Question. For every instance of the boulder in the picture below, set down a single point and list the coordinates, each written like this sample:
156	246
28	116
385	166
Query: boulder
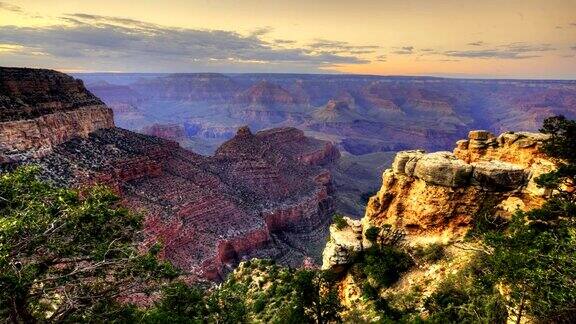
479	135
443	169
477	144
462	144
498	175
538	168
507	138
343	246
402	158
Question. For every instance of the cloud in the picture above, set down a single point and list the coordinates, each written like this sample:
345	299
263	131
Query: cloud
339	47
406	50
509	51
478	43
381	58
284	41
10	7
113	43
261	31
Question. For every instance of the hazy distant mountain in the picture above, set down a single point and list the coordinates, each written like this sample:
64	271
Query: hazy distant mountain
360	114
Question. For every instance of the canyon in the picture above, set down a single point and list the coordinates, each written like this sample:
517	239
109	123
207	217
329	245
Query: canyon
266	194
368	118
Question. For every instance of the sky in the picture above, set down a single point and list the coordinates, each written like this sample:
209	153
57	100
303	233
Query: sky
533	39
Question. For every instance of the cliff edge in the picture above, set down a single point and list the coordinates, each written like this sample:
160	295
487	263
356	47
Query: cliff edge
42	108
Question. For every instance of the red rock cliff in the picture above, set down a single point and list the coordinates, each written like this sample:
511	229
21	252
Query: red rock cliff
262	194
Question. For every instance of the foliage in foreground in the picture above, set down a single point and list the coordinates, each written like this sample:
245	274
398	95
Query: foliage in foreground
64	255
258	291
529	264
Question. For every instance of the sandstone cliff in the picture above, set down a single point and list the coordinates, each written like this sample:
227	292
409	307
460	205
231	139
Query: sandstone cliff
438	194
40	109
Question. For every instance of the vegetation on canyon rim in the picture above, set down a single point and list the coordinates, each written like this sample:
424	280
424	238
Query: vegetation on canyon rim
67	255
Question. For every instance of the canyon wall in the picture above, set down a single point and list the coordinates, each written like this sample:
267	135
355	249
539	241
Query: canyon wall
40	109
369	118
265	194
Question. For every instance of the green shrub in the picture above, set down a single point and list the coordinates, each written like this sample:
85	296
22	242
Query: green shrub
339	221
385	264
372	233
430	253
464	298
259	305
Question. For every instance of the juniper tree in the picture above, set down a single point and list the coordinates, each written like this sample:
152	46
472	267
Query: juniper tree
66	255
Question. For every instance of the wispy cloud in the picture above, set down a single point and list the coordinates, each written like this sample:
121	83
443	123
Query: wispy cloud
284	41
381	58
10	7
130	43
339	47
509	51
478	43
261	31
405	50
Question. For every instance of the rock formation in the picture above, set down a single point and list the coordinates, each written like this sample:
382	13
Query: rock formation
40	109
172	132
434	197
262	194
344	244
266	94
336	111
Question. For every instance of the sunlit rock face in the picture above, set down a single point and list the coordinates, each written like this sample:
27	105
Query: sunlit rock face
435	197
343	245
263	194
438	194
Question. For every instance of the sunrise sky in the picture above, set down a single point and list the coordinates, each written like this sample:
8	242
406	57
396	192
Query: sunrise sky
488	38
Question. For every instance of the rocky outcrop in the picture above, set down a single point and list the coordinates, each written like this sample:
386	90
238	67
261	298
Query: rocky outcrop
431	201
172	132
203	87
438	194
434	197
266	94
517	148
443	169
40	109
343	245
251	199
336	111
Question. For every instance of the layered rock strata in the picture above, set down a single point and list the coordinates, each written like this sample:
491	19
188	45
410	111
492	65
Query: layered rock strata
40	109
263	195
208	212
